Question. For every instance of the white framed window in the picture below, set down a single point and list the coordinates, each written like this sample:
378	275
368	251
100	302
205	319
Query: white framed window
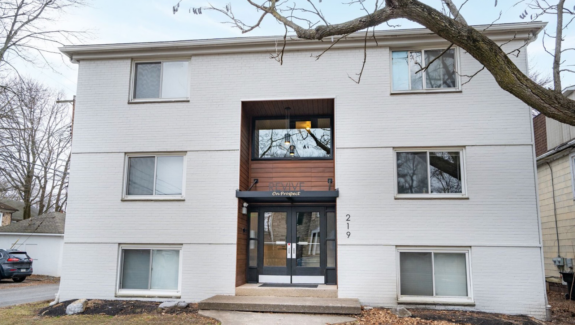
434	275
430	173
441	75
165	80
149	271
154	176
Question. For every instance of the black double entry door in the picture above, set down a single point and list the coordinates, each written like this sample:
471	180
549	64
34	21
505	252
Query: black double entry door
292	245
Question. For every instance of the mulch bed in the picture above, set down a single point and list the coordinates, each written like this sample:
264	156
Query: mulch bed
562	310
117	308
474	318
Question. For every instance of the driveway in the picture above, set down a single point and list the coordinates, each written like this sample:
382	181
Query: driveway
23	295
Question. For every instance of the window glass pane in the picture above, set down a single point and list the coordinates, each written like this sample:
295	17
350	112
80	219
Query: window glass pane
416	274
400	70
147	83
169	175
308	239
445	170
141	175
165	269
253	253
275	232
254	225
415	65
136	269
412	172
175	80
330	253
450	274
330	225
441	73
311	138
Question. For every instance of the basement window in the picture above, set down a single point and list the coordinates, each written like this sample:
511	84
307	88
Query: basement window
149	271
162	80
439	275
430	173
440	75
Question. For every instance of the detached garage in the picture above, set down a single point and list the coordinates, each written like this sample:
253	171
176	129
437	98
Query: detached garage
42	237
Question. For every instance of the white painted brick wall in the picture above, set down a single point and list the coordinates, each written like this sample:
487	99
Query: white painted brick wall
493	126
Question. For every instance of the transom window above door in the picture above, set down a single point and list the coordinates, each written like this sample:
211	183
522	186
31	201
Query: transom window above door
296	138
408	74
161	80
430	173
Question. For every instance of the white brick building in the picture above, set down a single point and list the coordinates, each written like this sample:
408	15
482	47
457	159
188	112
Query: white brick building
195	108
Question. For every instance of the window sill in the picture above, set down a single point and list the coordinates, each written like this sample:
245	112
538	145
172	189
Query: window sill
159	100
431	197
153	198
148	294
436	301
438	91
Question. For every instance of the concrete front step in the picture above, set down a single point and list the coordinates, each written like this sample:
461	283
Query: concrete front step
305	305
255	289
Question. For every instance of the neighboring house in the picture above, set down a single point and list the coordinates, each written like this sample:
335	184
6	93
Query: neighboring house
19	206
6	212
407	189
42	237
555	149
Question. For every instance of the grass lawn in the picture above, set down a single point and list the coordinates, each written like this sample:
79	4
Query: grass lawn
27	314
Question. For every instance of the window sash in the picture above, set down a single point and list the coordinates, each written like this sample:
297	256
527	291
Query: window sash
134	81
423	73
429	193
155	292
461	251
153	195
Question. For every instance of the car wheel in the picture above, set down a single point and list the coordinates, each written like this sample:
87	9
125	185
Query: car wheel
19	279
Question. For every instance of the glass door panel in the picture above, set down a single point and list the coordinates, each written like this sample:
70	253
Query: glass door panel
275	239
308	242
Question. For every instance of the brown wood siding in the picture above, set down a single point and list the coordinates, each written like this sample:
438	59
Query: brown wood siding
242	237
313	174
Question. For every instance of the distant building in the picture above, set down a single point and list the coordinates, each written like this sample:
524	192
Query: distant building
42	237
555	150
19	206
6	212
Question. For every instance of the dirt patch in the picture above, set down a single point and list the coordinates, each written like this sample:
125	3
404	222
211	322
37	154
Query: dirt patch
562	310
473	318
32	280
117	308
382	316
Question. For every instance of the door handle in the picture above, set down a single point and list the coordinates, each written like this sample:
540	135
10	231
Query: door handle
288	251
293	252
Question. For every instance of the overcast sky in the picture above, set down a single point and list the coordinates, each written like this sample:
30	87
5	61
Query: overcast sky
125	21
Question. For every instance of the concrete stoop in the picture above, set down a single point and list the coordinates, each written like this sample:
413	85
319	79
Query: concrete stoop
305	305
255	289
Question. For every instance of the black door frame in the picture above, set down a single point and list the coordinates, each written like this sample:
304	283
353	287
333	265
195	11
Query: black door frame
291	269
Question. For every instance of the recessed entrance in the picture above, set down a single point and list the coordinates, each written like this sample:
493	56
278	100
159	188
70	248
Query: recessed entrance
292	245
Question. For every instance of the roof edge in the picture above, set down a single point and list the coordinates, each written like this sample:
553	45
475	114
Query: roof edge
397	37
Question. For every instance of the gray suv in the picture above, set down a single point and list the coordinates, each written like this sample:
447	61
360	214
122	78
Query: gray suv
15	265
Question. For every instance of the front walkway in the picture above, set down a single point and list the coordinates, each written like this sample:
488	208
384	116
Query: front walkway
242	318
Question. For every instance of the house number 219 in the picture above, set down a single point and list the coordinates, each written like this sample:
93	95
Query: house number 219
348	219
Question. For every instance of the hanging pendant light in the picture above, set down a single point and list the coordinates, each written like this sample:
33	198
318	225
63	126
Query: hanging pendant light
287	138
292	150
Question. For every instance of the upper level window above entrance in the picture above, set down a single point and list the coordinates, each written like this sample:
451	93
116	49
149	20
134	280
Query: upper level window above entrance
409	76
161	80
300	138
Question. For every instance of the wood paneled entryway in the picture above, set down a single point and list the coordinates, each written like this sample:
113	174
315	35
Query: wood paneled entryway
264	156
